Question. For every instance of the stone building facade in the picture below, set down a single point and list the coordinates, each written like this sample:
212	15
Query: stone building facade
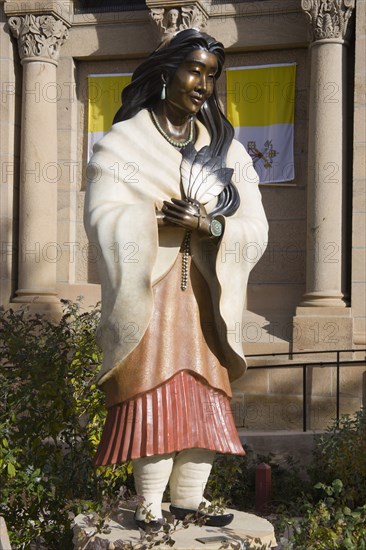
308	293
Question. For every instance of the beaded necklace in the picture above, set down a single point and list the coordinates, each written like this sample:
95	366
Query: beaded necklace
185	255
179	144
187	238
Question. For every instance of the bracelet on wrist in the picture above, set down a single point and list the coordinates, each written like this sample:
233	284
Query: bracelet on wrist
215	228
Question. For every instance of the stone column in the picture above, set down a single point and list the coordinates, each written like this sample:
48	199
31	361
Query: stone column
39	41
326	151
322	319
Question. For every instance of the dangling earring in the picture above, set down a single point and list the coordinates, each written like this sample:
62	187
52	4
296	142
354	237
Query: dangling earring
163	92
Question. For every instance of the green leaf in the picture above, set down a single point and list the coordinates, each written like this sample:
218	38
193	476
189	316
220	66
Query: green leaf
337	485
11	469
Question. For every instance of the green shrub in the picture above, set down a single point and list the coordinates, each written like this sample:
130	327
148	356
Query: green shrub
51	416
334	515
330	523
233	479
341	454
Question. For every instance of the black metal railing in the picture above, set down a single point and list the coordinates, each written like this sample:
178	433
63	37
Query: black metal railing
96	6
337	362
218	2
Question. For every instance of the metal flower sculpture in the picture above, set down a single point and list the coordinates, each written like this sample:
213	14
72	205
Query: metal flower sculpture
203	176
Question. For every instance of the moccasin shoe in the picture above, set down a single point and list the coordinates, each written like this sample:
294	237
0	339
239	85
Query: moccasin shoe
212	520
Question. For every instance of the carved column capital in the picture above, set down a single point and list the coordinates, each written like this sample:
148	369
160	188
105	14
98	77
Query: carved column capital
40	37
170	18
329	18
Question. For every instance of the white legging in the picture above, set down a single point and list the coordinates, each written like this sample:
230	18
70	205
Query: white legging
186	471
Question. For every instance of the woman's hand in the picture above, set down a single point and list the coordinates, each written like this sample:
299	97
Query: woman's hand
189	214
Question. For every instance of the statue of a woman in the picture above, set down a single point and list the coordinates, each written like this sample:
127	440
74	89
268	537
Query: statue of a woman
173	203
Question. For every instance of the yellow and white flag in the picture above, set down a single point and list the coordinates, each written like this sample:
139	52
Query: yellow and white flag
260	106
104	100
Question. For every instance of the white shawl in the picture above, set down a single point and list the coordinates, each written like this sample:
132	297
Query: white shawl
133	169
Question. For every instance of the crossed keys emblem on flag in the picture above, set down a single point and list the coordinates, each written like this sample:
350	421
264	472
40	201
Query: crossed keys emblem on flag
267	155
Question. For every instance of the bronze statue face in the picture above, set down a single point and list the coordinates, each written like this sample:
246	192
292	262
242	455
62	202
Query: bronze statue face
192	83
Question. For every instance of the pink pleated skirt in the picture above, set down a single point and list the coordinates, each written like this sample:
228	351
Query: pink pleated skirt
189	407
183	413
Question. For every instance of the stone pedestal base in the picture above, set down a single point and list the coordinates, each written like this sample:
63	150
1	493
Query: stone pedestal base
323	328
4	537
246	529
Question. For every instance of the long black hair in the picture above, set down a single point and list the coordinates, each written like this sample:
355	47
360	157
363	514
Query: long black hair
145	89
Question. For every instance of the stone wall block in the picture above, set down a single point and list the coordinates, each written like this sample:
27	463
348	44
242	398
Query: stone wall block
285	381
359	293
322	332
273	412
273	298
359	269
321	381
352	382
359	226
359	166
284	266
252	382
278	199
237	408
360	330
359	130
